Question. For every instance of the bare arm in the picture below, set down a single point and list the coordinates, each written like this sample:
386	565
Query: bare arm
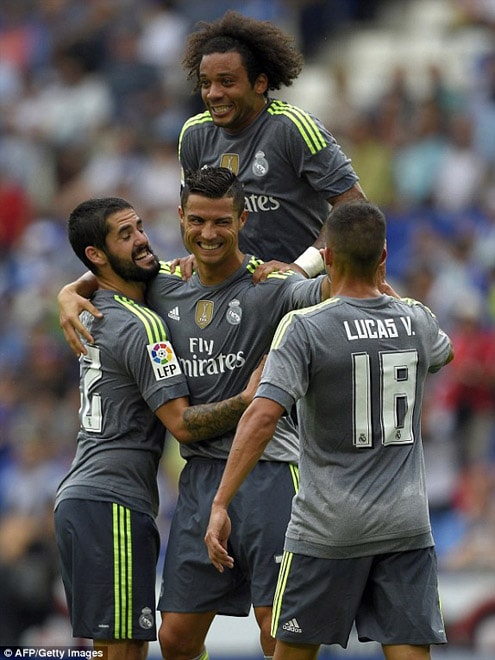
254	431
355	193
72	300
308	265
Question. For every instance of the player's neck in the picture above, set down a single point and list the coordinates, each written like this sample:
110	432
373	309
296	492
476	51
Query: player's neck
354	288
211	274
134	290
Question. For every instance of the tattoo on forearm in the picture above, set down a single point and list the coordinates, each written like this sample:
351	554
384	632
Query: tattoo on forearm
208	420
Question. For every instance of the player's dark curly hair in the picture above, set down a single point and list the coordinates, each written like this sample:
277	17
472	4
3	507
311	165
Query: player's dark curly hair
263	46
214	183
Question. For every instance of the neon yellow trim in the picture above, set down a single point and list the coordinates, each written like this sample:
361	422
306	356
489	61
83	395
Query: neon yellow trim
116	570
201	118
165	268
279	591
122	561
155	328
305	124
253	264
294	472
122	575
128	536
287	319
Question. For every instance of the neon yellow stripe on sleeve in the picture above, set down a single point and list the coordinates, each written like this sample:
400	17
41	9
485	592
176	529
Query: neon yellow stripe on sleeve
307	127
154	325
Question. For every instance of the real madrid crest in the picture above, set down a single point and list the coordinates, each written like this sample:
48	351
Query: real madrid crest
204	313
234	312
260	165
146	620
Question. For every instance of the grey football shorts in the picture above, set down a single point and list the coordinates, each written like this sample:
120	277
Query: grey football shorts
392	598
108	556
259	513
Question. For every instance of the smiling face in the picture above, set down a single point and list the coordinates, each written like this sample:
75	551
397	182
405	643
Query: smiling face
211	232
233	102
128	251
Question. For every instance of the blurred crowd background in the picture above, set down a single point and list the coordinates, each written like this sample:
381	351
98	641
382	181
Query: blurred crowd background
92	97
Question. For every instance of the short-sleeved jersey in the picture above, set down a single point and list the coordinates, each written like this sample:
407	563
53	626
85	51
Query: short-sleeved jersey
220	334
129	372
357	368
290	166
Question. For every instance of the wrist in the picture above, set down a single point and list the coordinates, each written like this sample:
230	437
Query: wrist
311	262
217	504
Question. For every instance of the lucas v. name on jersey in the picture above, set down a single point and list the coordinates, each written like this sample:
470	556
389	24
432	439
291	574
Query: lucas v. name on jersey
377	328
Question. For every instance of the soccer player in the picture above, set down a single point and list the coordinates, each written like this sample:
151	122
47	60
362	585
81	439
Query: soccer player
359	547
132	387
221	324
290	164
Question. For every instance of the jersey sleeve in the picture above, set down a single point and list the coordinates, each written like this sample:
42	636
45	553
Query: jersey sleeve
440	344
188	152
149	357
306	292
162	284
286	374
441	349
314	151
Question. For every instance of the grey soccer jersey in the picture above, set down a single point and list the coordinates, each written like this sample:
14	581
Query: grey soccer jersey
289	164
357	369
220	334
130	371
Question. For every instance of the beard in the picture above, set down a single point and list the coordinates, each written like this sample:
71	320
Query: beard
132	272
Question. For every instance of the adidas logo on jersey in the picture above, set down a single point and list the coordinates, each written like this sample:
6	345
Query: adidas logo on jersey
292	626
174	314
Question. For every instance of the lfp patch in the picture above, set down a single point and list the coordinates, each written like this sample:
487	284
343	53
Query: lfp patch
164	360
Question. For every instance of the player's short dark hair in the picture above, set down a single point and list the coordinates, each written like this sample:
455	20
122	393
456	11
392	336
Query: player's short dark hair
263	47
357	231
214	183
88	225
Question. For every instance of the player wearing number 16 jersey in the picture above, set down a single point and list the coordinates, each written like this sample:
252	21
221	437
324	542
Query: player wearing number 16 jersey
359	547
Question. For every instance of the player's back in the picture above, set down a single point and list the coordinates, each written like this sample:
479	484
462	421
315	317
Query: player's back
360	424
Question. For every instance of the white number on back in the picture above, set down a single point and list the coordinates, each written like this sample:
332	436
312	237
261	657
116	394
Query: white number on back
91	419
397	395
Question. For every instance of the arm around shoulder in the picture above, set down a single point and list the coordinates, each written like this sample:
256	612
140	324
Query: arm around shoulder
72	300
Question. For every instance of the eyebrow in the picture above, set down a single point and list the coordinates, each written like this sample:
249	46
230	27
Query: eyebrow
129	225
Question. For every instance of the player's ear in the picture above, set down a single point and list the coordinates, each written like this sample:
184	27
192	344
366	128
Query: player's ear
328	256
242	218
95	255
384	254
261	84
180	212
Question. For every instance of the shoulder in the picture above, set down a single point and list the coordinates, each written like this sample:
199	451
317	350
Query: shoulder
200	120
135	316
301	122
165	270
416	307
276	277
164	283
126	324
